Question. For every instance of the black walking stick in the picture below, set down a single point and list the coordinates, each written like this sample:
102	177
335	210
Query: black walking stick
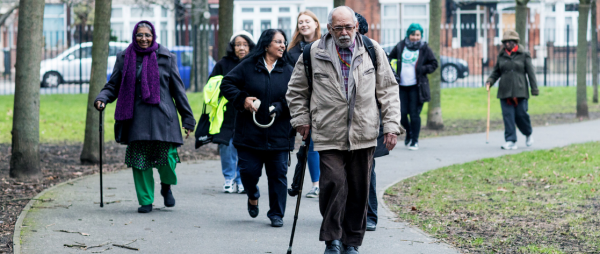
101	152
297	183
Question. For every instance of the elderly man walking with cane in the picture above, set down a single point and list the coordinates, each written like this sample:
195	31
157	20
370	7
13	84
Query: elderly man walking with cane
340	110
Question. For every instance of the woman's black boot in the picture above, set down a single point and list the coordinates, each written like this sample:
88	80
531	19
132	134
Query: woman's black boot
145	209
165	191
253	209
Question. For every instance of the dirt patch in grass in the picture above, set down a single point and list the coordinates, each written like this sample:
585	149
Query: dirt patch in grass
533	202
60	162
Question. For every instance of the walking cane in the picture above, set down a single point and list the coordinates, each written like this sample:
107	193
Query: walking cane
101	152
306	147
487	131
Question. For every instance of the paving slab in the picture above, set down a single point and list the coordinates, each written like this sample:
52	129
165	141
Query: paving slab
205	220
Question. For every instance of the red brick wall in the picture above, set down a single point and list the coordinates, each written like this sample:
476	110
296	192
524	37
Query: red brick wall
370	9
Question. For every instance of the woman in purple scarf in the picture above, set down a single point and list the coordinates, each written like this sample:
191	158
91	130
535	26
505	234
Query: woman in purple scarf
146	81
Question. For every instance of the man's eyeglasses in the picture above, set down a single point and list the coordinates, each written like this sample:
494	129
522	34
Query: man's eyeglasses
339	29
284	43
141	35
241	46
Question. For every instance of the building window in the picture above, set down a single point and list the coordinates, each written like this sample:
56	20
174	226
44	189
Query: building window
54	25
116	31
247	10
415	13
142	12
284	9
248	26
571	7
164	12
264	25
265	9
549	33
390	34
116	13
321	13
285	24
164	33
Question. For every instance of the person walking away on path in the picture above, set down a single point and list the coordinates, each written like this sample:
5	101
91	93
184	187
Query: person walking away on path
380	150
308	30
264	76
240	44
414	60
146	81
514	62
343	119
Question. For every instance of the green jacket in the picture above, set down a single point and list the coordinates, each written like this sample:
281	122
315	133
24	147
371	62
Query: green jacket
511	71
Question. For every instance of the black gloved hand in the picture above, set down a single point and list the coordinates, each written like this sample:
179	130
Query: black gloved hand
278	109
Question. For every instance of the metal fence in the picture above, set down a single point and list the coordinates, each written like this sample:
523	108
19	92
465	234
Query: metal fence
468	55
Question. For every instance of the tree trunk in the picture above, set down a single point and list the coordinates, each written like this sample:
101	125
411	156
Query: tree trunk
225	25
582	46
521	20
25	161
434	113
337	3
201	22
594	51
91	152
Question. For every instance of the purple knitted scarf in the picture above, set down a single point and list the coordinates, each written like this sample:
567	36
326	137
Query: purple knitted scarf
150	85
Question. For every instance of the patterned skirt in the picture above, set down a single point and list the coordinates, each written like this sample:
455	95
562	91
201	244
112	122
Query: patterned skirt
149	154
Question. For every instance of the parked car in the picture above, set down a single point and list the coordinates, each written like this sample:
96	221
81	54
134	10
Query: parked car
452	68
65	68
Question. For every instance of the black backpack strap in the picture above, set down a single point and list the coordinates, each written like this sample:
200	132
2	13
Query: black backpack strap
307	64
370	50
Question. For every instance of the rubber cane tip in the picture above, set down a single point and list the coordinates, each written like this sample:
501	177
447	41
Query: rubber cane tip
101	205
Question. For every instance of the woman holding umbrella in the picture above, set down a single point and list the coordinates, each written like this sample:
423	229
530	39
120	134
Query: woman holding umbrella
146	81
264	76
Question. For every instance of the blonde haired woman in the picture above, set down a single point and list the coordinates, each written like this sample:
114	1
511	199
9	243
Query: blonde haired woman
308	29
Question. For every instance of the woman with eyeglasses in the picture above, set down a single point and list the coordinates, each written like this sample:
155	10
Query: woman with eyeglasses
150	92
240	44
263	130
308	29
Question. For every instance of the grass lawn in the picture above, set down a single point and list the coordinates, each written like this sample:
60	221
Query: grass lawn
543	201
471	103
62	116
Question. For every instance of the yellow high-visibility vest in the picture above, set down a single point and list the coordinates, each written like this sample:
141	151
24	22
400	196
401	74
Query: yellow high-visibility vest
215	104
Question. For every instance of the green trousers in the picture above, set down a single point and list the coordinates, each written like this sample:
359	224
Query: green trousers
144	179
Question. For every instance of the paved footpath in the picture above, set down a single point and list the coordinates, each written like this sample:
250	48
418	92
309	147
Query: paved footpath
206	220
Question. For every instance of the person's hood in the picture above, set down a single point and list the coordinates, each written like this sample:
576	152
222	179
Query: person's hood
231	47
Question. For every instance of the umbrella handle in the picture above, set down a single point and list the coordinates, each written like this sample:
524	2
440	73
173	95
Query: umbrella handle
262	125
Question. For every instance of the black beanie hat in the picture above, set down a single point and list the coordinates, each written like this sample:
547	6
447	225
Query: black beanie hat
363	26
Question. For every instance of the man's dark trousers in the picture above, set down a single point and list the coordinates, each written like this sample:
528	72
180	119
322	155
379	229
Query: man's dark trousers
372	207
344	183
515	115
251	163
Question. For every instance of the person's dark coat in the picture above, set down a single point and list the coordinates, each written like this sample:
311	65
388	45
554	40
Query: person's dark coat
296	51
223	67
511	71
426	64
252	79
154	122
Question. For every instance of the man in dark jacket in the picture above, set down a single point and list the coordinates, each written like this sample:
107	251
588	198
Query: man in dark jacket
514	62
239	46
